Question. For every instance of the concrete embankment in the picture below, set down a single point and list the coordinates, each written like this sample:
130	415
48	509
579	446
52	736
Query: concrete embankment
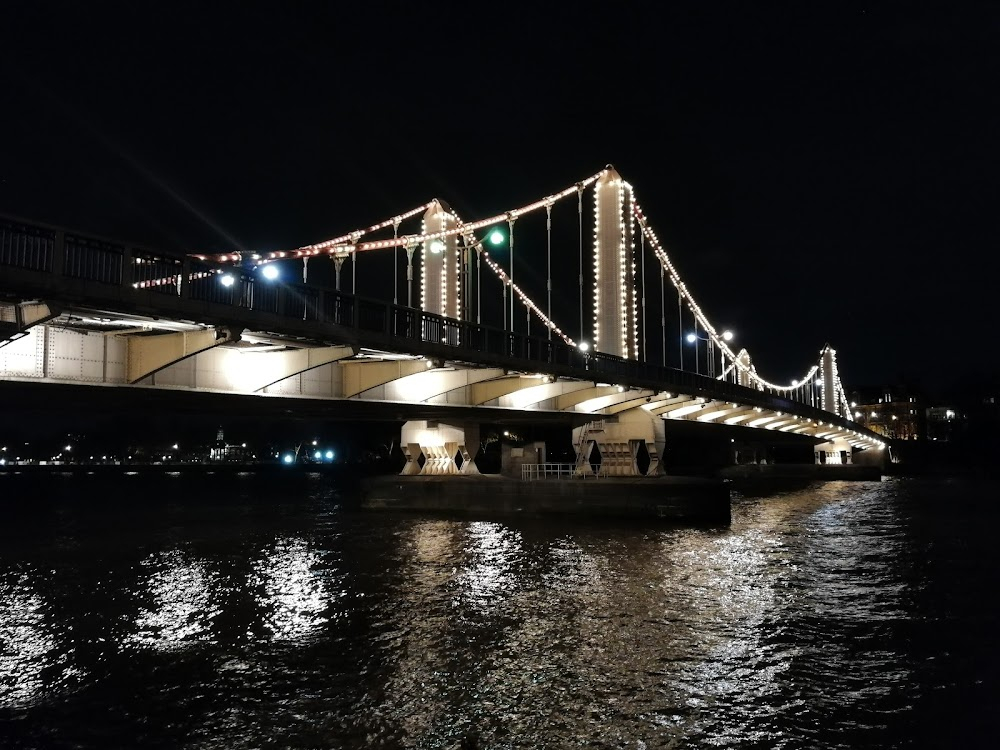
663	499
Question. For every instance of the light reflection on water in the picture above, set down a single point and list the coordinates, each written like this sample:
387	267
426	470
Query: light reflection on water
25	643
816	619
180	603
292	595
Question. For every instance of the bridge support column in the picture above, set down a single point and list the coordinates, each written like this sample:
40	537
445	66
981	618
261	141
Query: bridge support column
440	444
620	440
440	283
615	302
834	452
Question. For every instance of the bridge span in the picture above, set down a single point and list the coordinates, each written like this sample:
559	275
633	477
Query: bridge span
77	309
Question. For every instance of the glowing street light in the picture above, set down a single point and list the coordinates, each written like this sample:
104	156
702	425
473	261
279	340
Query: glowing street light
329	455
694	338
437	247
270	272
227	280
496	238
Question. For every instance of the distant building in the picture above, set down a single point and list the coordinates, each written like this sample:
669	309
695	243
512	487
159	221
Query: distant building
945	423
897	411
222	452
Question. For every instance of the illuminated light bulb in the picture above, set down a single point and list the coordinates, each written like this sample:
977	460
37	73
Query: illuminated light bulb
227	280
270	272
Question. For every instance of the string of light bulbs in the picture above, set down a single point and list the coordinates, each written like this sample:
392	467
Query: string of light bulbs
675	278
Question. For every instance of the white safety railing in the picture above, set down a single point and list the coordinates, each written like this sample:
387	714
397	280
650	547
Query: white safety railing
534	472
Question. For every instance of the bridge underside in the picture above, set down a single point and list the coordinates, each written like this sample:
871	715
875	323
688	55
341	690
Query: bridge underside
128	364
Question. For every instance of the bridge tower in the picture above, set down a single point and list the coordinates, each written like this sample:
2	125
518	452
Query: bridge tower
440	291
829	378
616	327
743	373
833	451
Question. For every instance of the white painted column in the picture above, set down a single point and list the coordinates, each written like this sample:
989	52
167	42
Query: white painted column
615	299
439	285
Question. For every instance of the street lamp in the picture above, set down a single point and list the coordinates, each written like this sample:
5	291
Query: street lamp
496	238
694	338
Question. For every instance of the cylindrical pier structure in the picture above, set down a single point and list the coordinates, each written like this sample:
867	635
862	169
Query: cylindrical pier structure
616	325
440	287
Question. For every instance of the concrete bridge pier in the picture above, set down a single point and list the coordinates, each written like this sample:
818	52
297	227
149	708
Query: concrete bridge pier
620	439
440	444
834	452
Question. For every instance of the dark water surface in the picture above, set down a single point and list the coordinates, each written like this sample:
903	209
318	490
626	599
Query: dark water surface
242	612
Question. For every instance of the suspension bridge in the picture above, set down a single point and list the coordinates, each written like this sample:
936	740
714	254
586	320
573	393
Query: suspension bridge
76	308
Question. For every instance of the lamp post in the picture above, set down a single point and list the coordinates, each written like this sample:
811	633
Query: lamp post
510	245
694	338
496	238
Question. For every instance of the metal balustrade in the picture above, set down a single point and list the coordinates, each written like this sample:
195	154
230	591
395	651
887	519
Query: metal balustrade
152	272
534	472
92	260
25	246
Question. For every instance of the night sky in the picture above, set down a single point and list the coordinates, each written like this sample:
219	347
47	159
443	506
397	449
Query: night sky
818	172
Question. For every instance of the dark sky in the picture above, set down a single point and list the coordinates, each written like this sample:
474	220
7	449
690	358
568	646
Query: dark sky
819	172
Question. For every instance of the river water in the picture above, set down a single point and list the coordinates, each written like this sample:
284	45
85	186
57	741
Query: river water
243	612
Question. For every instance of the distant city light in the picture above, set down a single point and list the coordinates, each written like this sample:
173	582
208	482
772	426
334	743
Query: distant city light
317	455
288	458
329	455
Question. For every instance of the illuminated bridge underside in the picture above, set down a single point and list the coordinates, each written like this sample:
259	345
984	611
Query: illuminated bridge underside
170	355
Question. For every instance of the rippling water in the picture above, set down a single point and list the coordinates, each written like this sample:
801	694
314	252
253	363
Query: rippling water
236	612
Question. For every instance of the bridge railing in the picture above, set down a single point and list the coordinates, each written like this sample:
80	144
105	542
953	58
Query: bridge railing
93	260
26	246
154	272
